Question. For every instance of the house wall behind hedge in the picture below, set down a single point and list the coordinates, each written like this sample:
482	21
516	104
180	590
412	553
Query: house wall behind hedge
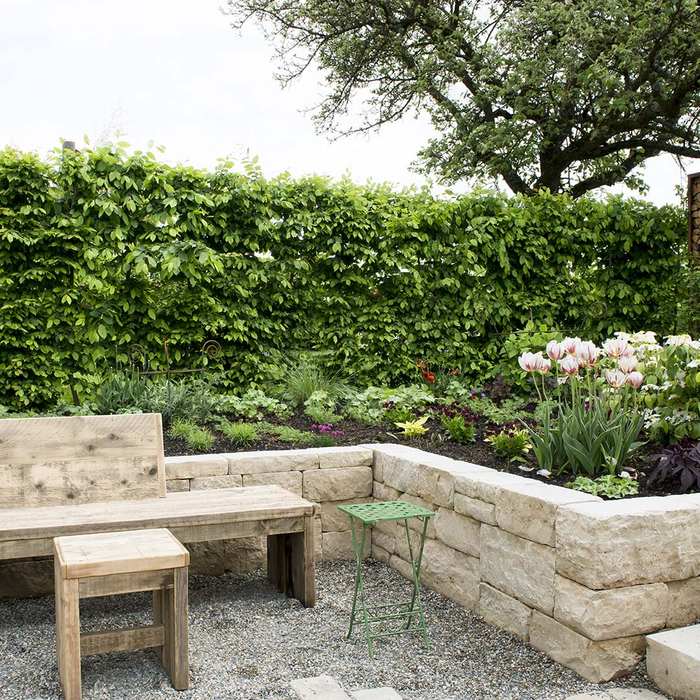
100	250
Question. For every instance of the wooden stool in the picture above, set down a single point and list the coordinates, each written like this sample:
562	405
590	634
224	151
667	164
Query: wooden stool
112	563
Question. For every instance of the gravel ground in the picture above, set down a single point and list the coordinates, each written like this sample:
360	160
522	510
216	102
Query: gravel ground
248	641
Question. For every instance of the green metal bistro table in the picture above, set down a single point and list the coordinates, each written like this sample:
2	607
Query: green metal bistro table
393	618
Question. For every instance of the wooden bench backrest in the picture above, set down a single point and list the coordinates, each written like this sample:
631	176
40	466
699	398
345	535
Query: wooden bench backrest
80	459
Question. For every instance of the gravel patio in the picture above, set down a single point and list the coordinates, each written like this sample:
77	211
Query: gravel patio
248	641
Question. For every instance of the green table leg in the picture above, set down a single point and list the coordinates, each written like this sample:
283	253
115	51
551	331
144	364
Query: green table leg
359	587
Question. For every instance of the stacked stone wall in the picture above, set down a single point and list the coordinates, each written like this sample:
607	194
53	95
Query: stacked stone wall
581	579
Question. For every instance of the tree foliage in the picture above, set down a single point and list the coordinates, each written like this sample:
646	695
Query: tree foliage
100	250
568	95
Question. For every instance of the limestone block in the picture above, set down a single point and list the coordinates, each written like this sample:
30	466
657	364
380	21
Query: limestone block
683	602
391	529
401	566
272	461
380	554
216	482
245	554
458	532
530	510
634	694
336	457
177	485
451	573
334	520
338	484
26	579
613	613
381	539
622	543
292	481
505	612
385	493
521	568
673	662
474	508
419	473
338	545
207	558
376	694
188	467
486	484
319	688
415	524
595	661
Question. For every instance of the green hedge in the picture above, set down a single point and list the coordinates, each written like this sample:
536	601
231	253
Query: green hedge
101	250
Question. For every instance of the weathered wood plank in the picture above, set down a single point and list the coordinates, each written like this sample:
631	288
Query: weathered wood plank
122	640
68	635
177	510
107	554
80	459
125	583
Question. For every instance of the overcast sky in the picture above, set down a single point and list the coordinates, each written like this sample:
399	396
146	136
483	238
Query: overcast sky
174	71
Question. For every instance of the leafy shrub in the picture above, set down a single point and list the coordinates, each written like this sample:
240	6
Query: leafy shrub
198	439
368	406
305	376
510	442
239	433
119	391
458	428
185	400
396	414
608	486
672	391
319	407
508	411
413	428
288	434
254	403
498	389
678	463
323	441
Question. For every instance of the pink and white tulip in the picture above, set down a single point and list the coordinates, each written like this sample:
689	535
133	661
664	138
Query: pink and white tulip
569	365
587	353
627	364
570	345
615	378
635	379
555	350
616	348
531	361
546	365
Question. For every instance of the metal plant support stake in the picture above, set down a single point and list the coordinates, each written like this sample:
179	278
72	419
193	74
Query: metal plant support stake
211	349
393	618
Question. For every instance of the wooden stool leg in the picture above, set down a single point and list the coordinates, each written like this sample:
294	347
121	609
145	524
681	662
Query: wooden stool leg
277	570
174	611
68	634
158	603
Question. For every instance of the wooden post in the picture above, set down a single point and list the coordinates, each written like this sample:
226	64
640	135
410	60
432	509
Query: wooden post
68	633
694	214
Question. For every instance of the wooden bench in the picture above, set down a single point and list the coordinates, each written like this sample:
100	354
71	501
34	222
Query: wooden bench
89	474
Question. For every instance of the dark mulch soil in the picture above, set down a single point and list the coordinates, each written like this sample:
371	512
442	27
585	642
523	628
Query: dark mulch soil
436	441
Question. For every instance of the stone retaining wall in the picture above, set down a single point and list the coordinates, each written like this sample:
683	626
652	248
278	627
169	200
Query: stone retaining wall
330	476
581	579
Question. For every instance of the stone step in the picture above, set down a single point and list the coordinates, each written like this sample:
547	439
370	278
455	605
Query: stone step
327	688
319	688
673	662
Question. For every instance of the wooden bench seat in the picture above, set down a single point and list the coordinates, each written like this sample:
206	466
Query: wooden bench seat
92	474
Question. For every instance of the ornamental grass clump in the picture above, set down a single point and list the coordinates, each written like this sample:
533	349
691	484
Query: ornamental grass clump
594	428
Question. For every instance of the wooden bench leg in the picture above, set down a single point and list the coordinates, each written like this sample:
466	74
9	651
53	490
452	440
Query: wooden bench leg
171	610
68	634
291	563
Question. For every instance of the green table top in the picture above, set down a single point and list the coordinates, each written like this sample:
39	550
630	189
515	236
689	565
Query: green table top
385	511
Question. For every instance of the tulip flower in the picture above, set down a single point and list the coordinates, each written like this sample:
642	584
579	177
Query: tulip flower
617	347
587	353
615	378
570	345
545	365
635	379
555	351
569	365
531	361
627	364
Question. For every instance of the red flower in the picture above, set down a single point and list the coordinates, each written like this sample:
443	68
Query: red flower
429	376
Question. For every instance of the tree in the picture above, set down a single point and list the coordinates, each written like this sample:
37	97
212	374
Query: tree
568	95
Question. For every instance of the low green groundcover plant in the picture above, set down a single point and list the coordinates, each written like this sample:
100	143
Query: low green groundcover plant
511	442
608	486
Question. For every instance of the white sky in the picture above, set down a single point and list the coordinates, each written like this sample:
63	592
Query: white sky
174	71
